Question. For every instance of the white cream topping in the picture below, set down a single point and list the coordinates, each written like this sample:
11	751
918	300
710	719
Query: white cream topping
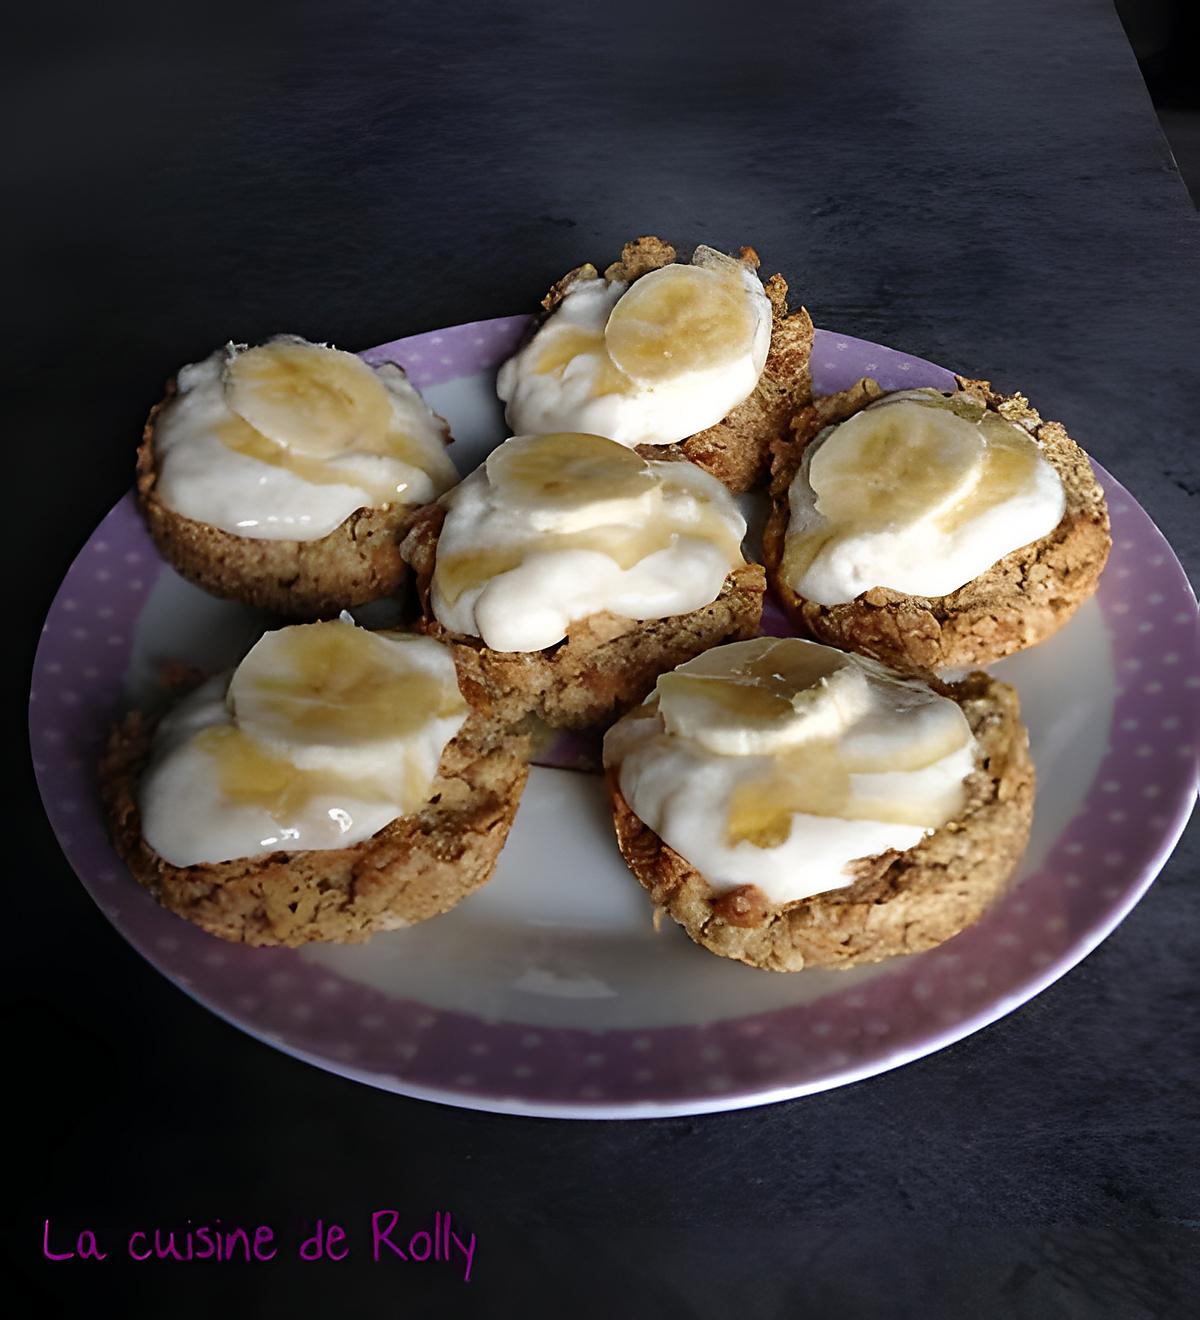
651	362
778	762
324	734
558	527
288	449
921	493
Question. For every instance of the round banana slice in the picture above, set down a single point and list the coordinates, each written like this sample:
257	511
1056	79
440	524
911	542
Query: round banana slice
925	798
573	481
680	319
895	465
320	402
337	697
763	696
906	734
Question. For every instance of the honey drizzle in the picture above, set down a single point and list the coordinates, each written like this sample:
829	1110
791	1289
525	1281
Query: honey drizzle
242	438
815	781
1009	461
812	783
250	775
563	344
462	572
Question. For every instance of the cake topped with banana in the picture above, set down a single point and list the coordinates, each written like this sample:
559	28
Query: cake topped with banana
565	553
699	355
553	528
790	804
323	734
334	783
932	529
282	474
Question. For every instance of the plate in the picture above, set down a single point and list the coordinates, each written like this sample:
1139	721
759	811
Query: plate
549	992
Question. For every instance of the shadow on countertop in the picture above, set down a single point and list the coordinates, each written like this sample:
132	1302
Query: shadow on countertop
1163	34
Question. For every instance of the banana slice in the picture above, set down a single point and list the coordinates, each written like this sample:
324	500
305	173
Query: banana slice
332	696
567	482
905	737
896	465
763	696
922	798
1010	453
317	401
680	319
565	344
560	345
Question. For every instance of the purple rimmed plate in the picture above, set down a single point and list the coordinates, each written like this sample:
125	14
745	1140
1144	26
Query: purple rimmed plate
549	992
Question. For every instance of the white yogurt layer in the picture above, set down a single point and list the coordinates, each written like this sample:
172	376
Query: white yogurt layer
647	363
777	763
290	449
324	734
555	528
920	493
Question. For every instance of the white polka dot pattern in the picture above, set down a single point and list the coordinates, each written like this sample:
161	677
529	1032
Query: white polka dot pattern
1093	874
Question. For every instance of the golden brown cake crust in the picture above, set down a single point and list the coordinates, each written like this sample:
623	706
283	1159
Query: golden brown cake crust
737	450
900	902
1022	599
414	868
606	664
359	561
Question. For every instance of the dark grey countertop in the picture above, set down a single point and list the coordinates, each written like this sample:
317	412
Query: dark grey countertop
981	184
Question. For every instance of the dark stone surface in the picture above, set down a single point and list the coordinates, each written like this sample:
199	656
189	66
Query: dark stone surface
982	184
